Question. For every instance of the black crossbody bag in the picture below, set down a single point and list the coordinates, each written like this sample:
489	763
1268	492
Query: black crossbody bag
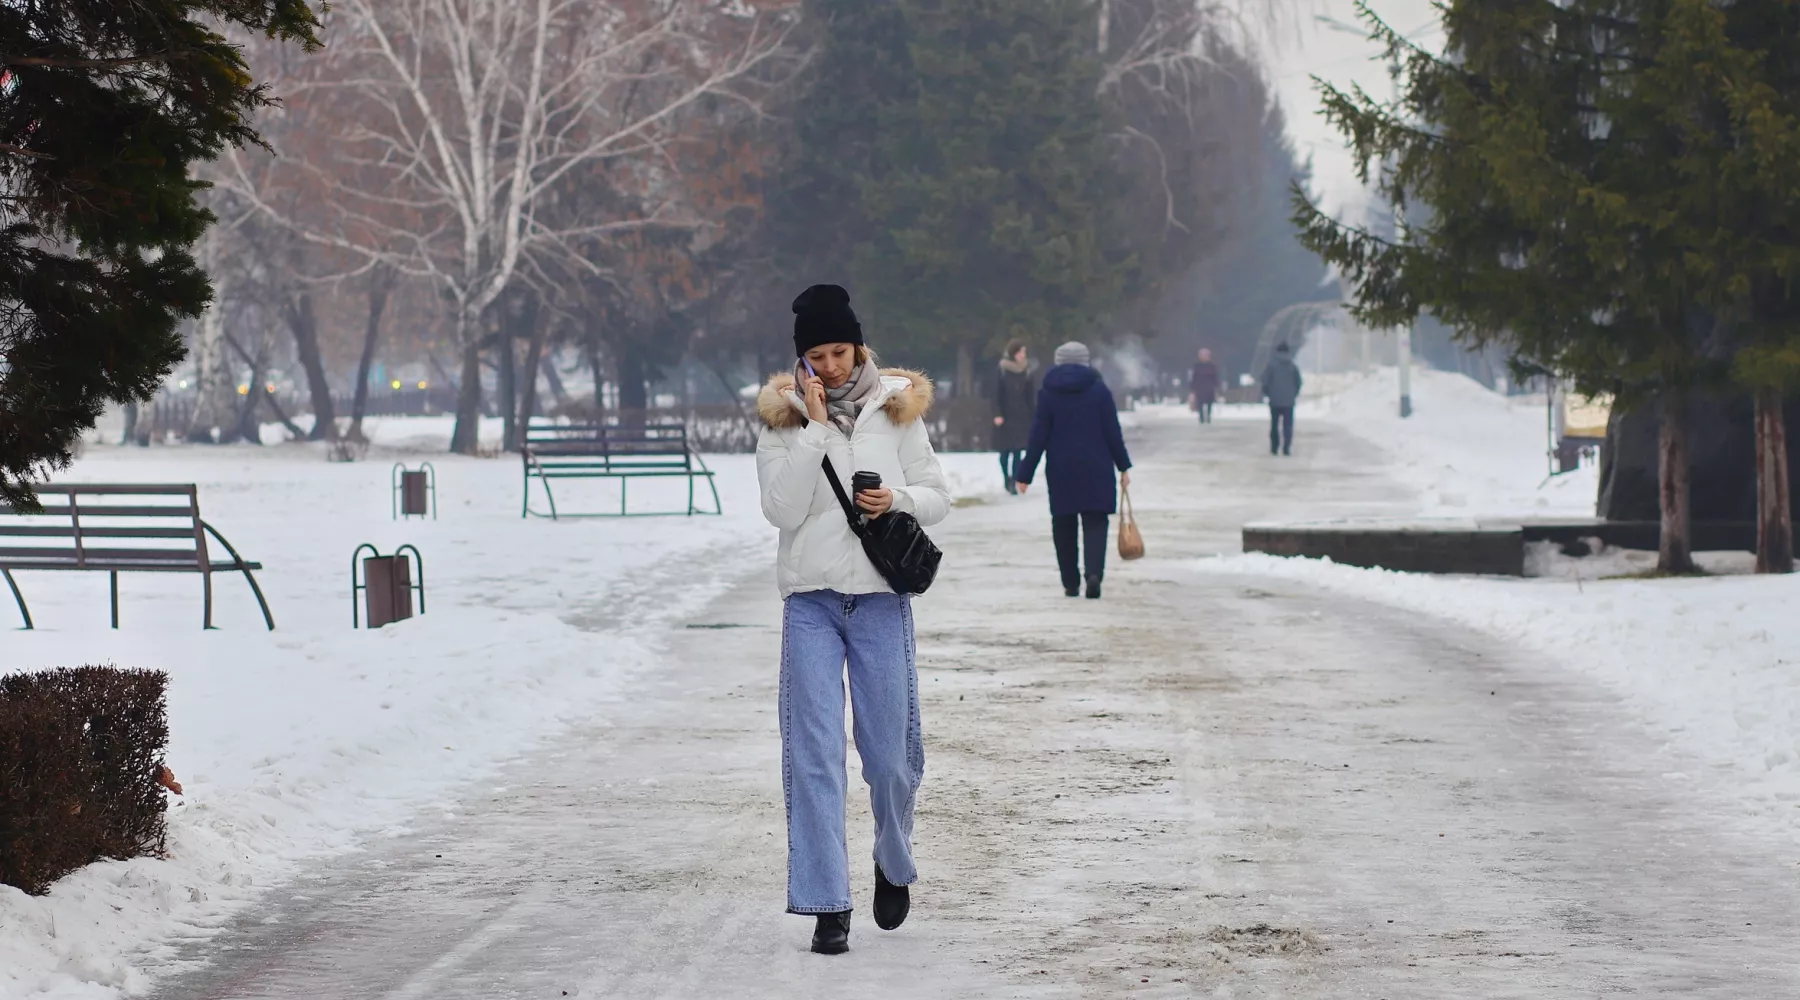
901	551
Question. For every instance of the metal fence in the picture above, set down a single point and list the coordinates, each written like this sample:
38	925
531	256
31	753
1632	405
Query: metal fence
405	402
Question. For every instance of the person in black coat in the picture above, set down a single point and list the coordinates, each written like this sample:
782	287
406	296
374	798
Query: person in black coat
1014	407
1077	426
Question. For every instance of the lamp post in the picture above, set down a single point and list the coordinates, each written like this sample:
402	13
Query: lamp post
1404	334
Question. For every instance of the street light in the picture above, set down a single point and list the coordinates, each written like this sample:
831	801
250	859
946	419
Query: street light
1404	361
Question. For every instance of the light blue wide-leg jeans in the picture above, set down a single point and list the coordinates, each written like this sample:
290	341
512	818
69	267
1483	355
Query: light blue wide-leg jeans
821	631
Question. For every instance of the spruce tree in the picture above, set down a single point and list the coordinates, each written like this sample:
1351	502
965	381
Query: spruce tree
104	107
987	198
1729	78
1562	211
861	82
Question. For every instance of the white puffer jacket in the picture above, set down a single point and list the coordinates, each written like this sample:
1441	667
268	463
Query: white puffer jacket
818	550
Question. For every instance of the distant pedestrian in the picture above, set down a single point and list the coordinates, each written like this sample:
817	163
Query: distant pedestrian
838	405
1015	402
1077	427
1203	386
1281	387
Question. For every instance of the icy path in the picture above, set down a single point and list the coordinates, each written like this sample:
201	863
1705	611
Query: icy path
1199	786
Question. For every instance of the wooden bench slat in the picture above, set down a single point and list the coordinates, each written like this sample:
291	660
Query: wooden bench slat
130	567
669	447
89	531
10	553
147	555
561	473
649	460
122	489
116	510
590	460
548	453
98	555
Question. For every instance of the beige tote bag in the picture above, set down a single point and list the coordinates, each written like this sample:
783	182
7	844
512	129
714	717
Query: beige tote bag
1131	541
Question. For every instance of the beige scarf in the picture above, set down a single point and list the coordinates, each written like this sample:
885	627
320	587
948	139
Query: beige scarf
843	404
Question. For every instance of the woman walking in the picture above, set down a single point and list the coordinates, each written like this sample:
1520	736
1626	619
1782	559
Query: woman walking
1014	407
1203	386
1077	426
838	405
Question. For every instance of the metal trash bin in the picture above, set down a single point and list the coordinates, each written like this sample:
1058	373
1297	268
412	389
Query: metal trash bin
387	585
415	491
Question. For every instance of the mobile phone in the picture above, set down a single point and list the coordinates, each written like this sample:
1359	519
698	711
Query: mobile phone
809	367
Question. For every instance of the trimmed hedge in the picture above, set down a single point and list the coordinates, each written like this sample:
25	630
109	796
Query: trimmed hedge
80	749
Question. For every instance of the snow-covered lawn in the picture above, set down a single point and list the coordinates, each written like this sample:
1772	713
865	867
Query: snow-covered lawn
1713	662
299	742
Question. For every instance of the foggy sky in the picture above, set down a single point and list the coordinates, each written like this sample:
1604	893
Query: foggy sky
1344	59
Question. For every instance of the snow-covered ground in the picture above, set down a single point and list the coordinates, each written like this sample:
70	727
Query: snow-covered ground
303	741
1467	451
312	739
1202	785
1713	662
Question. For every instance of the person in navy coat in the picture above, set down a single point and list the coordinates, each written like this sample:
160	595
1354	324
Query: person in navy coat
1077	427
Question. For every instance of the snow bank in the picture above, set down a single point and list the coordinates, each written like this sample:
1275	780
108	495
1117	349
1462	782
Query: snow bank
308	740
1468	450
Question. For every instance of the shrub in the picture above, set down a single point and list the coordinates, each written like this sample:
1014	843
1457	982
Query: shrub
80	750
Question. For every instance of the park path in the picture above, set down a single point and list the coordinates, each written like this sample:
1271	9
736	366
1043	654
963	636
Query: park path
1199	786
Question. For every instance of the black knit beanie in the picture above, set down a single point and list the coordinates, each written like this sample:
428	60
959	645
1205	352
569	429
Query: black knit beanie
822	315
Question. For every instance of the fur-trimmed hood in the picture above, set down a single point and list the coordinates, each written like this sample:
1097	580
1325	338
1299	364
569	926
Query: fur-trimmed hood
777	404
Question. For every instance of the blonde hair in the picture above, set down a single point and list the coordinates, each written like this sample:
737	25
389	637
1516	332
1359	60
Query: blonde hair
865	355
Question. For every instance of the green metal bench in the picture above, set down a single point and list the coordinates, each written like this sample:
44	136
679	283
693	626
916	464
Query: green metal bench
118	529
553	451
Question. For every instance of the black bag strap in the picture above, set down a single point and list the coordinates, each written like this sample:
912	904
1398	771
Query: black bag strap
850	511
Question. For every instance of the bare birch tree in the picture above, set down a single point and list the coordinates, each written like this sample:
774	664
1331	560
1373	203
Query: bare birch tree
453	123
214	381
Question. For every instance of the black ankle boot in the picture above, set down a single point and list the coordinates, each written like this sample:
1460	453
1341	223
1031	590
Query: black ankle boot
892	902
832	935
1093	590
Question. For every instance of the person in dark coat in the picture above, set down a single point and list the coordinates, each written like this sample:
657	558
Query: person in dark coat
1203	386
1077	426
1015	404
1281	387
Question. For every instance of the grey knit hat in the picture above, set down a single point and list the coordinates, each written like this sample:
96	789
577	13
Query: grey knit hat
1072	353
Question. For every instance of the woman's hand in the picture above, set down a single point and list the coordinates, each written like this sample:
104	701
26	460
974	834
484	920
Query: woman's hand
875	502
812	391
1125	479
999	421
